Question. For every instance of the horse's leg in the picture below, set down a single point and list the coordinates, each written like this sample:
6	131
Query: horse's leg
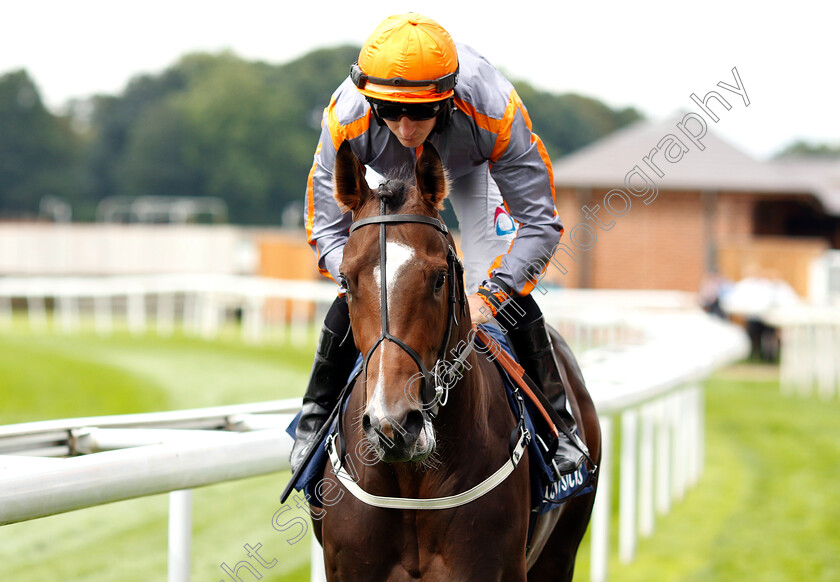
557	560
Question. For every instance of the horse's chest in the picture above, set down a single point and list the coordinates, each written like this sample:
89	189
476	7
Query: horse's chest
405	547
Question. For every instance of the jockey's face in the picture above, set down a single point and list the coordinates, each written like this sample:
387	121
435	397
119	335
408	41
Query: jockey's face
411	133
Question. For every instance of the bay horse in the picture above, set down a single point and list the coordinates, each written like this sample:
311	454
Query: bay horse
398	273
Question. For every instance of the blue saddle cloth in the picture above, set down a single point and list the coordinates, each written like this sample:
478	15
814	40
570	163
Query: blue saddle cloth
547	492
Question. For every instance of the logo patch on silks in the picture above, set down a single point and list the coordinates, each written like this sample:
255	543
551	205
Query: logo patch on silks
504	223
567	485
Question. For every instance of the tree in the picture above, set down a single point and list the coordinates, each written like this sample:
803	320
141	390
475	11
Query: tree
568	122
219	125
154	160
112	120
804	148
39	152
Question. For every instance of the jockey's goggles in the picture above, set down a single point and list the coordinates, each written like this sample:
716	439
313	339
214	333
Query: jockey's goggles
393	110
442	84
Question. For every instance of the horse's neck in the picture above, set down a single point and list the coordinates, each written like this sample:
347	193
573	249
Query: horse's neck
468	426
470	398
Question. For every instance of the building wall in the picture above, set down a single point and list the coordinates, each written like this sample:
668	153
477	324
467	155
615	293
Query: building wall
666	244
656	246
734	216
790	259
569	210
661	245
286	255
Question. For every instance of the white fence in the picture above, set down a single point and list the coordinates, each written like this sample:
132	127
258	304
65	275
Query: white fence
644	356
810	350
198	303
118	249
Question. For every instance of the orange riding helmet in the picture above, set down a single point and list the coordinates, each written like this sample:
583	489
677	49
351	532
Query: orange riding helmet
409	58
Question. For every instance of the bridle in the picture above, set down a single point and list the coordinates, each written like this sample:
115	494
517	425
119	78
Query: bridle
433	394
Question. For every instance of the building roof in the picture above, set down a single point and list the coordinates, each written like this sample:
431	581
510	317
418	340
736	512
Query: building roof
819	174
719	166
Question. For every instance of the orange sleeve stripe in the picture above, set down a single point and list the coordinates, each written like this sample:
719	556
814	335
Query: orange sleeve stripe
310	200
547	161
339	132
500	127
481	120
310	214
326	274
521	107
497	262
529	286
503	139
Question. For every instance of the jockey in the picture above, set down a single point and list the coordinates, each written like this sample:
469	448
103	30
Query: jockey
412	83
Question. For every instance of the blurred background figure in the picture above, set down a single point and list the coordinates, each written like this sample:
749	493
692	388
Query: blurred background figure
713	288
752	299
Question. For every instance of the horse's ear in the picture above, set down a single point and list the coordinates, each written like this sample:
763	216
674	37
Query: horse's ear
431	177
351	188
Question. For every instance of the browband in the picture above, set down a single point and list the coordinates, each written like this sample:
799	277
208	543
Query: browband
388	218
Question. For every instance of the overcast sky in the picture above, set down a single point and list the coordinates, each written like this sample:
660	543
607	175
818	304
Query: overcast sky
649	54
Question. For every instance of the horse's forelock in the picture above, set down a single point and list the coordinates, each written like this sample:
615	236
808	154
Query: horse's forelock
393	193
398	188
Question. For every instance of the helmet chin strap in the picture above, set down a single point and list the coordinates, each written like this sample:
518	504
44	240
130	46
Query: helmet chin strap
445	116
379	121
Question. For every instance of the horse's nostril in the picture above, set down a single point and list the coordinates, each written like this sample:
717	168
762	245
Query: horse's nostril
414	422
366	422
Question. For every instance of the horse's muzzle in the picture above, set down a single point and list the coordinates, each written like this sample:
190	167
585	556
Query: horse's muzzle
398	441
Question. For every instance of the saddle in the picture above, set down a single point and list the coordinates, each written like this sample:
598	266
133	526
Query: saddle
548	489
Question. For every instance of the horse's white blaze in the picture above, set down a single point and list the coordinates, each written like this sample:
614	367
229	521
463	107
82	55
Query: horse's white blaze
397	257
377	401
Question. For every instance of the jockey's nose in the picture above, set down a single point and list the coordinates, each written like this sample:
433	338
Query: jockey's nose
394	437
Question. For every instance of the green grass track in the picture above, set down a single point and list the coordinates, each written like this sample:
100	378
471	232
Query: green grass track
767	507
51	375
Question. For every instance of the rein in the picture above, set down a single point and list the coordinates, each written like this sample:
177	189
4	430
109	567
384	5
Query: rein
434	392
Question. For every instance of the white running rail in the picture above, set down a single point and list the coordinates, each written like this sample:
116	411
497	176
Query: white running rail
644	356
810	350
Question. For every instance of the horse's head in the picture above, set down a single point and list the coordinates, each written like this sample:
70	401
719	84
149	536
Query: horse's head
398	272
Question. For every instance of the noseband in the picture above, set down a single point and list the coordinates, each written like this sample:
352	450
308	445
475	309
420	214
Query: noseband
432	393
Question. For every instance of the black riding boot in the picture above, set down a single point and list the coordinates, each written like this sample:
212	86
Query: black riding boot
533	347
330	370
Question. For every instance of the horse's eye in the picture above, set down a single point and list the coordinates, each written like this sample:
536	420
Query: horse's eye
441	279
342	280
